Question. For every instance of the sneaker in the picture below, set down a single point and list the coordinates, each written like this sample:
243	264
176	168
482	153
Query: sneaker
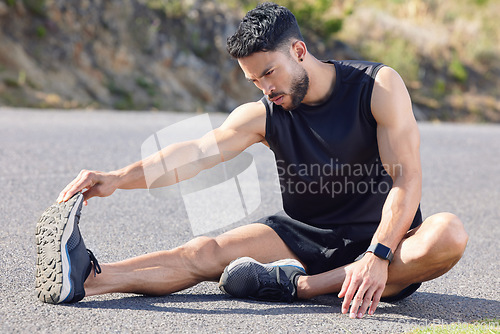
63	262
248	278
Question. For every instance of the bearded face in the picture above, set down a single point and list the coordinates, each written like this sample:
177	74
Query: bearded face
278	76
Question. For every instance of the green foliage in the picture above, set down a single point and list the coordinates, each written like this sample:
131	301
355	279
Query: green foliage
156	104
16	83
482	326
171	8
37	7
241	5
439	88
332	26
10	3
41	31
125	101
457	70
11	82
148	86
21	78
480	2
312	15
396	52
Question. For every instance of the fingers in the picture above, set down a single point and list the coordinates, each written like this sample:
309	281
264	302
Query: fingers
92	191
348	292
345	285
359	294
357	300
361	298
375	301
366	300
84	180
343	291
371	296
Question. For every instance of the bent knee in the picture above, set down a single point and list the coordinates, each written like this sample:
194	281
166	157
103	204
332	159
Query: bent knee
450	232
455	233
203	256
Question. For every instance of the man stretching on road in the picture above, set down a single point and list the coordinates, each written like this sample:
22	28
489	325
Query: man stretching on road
367	246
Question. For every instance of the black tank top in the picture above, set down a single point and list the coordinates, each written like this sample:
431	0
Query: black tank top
327	155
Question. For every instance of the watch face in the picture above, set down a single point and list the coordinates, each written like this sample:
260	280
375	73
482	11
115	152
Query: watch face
381	251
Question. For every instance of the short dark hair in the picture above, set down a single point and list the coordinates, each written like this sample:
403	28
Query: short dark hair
267	27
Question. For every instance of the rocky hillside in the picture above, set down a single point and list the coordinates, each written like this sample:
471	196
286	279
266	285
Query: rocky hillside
117	54
135	55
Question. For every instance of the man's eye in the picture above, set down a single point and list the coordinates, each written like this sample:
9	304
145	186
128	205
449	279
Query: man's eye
270	72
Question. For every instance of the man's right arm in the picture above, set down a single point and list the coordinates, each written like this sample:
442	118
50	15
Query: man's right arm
243	127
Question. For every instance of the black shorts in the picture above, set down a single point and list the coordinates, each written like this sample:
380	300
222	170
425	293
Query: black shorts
329	246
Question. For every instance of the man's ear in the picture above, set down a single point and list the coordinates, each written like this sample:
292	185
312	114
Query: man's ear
299	50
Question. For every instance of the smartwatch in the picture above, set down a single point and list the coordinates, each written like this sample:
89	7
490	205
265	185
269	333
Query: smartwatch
381	251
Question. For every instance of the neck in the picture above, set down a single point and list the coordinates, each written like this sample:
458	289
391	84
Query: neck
322	78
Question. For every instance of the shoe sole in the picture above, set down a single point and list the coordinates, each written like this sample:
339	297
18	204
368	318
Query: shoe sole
279	263
53	270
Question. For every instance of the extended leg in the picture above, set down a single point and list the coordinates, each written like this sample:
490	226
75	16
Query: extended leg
200	259
426	252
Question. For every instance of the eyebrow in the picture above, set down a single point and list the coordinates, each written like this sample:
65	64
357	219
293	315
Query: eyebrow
263	74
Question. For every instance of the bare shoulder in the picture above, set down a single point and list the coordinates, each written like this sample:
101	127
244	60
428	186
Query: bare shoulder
391	101
248	119
397	131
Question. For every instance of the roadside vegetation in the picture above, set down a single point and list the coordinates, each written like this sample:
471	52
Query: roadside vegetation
487	326
447	51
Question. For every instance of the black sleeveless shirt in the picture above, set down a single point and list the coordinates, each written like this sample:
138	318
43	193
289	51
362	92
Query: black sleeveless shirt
327	155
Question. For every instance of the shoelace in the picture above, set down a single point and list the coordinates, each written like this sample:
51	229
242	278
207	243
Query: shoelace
95	264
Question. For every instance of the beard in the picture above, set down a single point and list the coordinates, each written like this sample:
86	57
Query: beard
300	85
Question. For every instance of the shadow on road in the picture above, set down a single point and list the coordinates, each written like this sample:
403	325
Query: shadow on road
217	304
441	308
422	306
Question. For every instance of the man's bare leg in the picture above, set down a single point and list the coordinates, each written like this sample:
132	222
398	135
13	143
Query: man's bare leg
425	253
201	259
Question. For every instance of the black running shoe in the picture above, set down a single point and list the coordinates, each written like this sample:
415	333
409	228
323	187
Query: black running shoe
248	278
63	263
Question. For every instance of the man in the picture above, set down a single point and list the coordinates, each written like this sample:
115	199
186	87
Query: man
361	236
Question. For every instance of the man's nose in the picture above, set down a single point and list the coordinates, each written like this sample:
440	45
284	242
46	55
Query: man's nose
267	88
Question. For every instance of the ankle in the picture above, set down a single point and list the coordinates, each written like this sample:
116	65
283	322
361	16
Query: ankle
302	287
93	283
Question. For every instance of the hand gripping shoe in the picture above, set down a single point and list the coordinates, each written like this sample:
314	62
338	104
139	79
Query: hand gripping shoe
63	262
275	281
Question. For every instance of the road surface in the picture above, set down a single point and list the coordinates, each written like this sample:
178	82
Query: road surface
41	151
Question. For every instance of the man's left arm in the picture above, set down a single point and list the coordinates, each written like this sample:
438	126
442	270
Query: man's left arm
399	141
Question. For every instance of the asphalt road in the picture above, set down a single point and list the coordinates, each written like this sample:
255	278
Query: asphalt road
41	151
